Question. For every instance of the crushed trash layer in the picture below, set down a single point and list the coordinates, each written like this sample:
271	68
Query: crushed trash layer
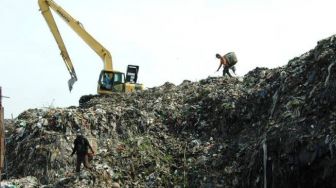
271	128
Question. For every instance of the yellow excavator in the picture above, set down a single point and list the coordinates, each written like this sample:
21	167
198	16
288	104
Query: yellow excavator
109	80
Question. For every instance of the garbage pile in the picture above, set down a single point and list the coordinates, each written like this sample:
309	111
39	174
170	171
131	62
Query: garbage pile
26	182
271	128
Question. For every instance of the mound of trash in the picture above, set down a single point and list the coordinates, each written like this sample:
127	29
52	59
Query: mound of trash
271	128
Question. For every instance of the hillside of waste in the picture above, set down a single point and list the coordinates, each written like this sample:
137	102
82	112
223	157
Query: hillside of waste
272	127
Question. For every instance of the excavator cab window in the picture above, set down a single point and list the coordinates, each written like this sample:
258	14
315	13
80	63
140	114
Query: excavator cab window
111	81
118	82
118	78
105	80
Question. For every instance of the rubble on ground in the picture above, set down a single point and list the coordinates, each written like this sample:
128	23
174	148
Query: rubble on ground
26	182
273	127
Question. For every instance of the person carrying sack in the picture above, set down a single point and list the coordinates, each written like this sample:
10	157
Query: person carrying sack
81	147
228	61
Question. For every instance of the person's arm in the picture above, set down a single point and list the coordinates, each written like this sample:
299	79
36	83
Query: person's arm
220	65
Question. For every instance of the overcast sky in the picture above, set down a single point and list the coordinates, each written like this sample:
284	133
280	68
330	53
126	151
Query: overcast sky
171	41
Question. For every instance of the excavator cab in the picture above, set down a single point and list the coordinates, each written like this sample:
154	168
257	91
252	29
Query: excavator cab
111	81
115	81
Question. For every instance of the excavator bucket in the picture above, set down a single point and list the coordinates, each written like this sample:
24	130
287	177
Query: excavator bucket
71	82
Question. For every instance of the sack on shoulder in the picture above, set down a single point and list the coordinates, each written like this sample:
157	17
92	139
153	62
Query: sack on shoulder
232	58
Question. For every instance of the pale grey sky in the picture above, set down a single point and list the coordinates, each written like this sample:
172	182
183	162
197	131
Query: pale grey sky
171	40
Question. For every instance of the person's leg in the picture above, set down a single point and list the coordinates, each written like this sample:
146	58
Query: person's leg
78	164
80	160
226	71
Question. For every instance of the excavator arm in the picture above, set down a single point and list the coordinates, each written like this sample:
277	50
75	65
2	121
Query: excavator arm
104	54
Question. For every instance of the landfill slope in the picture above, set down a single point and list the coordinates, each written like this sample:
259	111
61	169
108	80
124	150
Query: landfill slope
273	127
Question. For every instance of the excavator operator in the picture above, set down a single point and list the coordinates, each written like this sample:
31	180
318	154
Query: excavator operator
107	82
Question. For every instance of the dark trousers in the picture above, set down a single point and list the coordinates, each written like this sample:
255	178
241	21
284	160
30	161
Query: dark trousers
82	158
226	71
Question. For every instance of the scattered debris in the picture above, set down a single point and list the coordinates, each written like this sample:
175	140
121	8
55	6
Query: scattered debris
271	128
